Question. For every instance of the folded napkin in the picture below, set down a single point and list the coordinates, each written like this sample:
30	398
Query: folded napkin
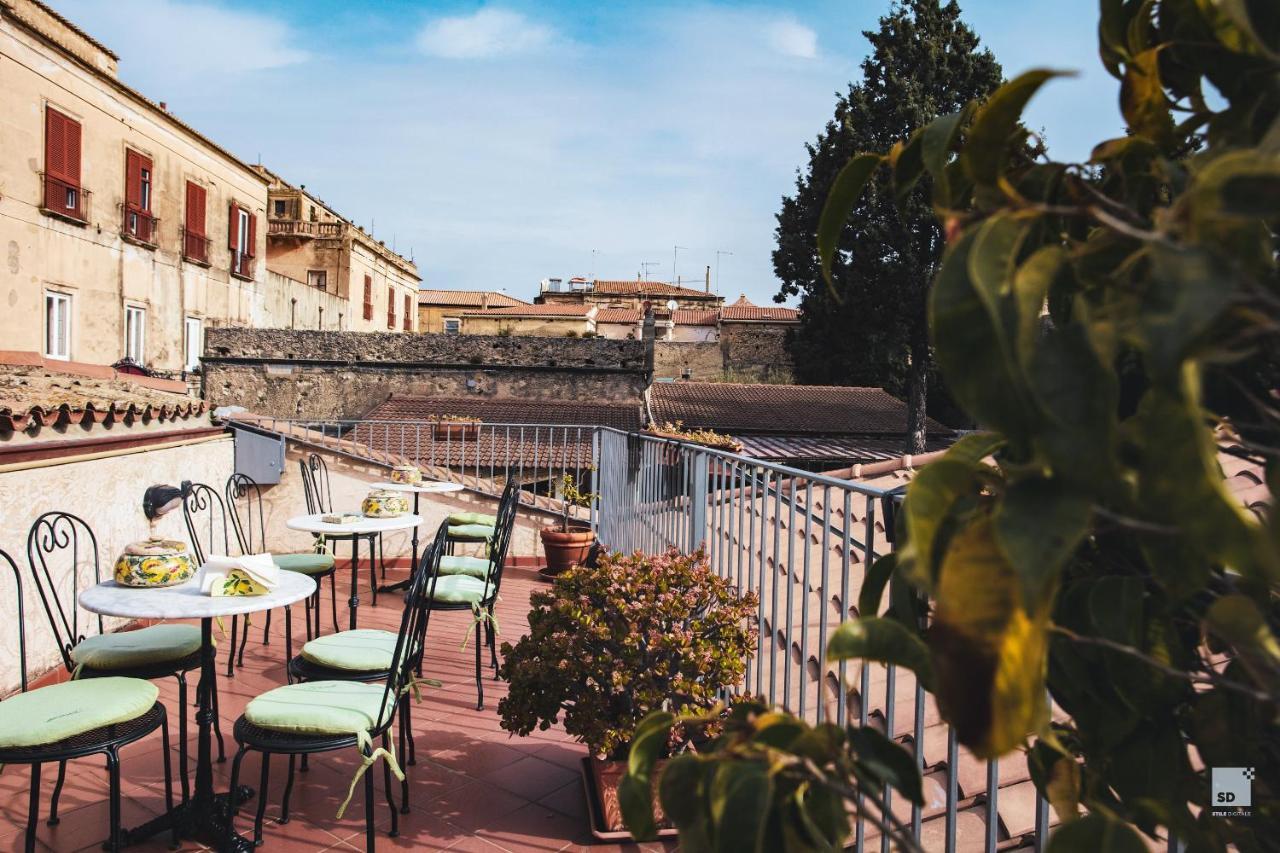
251	574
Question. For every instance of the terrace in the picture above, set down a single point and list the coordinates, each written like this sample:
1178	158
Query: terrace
799	540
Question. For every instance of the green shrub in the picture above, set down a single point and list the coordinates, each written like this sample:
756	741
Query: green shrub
638	633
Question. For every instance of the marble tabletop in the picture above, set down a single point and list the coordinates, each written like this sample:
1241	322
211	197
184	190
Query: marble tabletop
424	488
313	524
186	601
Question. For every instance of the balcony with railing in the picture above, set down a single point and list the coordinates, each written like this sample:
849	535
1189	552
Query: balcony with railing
64	199
140	226
800	541
304	228
195	247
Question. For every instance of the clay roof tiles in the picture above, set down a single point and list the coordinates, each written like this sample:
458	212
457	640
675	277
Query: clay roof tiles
87	414
524	310
648	288
467	298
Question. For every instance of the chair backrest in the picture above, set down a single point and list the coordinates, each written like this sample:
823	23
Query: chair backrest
411	641
315	483
244	505
508	505
206	517
61	544
22	639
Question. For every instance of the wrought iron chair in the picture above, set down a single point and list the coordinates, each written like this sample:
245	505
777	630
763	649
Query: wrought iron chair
76	719
244	501
211	533
463	591
323	716
365	655
318	493
65	542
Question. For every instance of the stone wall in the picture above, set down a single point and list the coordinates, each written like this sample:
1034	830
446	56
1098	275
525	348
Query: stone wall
334	375
746	352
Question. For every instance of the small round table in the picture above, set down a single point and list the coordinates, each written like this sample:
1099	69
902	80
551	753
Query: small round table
426	487
354	530
203	817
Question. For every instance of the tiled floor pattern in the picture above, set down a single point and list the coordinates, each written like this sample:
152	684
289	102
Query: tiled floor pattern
474	787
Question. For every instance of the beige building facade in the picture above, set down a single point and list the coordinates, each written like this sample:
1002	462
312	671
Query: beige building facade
309	242
440	311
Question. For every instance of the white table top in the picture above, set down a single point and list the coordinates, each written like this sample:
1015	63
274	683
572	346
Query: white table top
423	488
313	524
186	601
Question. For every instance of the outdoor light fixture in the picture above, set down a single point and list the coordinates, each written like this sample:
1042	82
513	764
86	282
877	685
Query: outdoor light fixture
159	500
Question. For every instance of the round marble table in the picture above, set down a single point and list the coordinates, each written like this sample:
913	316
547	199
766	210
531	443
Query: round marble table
353	530
426	487
203	817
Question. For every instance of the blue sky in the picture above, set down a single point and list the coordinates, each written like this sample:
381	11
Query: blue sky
501	143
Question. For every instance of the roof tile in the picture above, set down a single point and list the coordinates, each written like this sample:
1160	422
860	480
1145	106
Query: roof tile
467	298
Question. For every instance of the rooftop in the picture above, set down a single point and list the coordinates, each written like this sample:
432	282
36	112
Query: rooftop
468	298
781	409
539	310
640	287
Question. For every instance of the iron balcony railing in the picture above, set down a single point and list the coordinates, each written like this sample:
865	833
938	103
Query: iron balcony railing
195	247
65	199
140	225
801	541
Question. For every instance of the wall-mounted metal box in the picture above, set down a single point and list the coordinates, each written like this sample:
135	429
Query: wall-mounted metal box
259	457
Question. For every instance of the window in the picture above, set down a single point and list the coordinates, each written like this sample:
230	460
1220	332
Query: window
62	191
57	325
138	221
391	308
452	325
281	208
135	333
242	227
408	313
193	343
368	297
195	245
318	279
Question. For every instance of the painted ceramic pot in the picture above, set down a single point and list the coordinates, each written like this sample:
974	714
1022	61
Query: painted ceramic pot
383	503
155	562
406	474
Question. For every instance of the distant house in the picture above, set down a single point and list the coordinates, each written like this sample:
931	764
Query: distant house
623	294
804	426
440	311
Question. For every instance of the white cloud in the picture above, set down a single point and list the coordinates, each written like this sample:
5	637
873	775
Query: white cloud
182	38
487	33
791	38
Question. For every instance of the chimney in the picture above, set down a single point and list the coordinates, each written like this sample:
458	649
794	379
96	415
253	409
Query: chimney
648	332
484	301
164	106
708	278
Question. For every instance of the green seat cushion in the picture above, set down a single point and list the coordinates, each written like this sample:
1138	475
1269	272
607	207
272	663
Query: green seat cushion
361	650
304	564
476	567
60	711
127	649
459	589
460	518
319	708
471	532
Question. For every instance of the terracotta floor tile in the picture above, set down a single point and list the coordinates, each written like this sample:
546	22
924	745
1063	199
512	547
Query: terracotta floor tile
529	777
569	800
531	828
476	805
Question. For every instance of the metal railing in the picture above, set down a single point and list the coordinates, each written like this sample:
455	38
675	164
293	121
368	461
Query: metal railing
64	198
140	225
800	541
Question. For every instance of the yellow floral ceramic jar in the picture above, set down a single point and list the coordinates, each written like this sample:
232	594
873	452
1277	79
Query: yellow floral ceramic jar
155	562
408	475
384	503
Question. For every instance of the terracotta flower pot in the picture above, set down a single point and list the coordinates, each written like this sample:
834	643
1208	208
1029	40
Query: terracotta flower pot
604	776
565	549
455	432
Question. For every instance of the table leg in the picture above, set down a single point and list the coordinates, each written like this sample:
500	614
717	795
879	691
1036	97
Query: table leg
354	604
203	818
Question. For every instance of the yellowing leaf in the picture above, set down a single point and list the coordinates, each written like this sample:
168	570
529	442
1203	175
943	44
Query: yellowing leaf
1142	97
989	652
844	195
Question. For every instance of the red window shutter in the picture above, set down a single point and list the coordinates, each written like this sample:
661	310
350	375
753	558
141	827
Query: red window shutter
233	231
55	144
253	236
195	209
132	180
72	150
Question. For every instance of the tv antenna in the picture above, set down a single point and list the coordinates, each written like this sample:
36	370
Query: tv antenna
675	256
644	266
720	252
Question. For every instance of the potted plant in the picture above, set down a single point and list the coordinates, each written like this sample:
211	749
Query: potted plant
568	542
705	437
454	426
608	644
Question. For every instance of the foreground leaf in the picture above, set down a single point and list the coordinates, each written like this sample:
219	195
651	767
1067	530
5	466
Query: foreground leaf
844	194
883	641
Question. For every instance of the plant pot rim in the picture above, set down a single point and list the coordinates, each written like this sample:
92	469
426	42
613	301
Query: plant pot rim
554	530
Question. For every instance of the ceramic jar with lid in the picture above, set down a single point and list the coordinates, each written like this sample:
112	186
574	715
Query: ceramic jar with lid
154	562
408	475
384	503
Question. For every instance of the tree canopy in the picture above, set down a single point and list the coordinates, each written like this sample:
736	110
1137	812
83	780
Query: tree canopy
868	327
